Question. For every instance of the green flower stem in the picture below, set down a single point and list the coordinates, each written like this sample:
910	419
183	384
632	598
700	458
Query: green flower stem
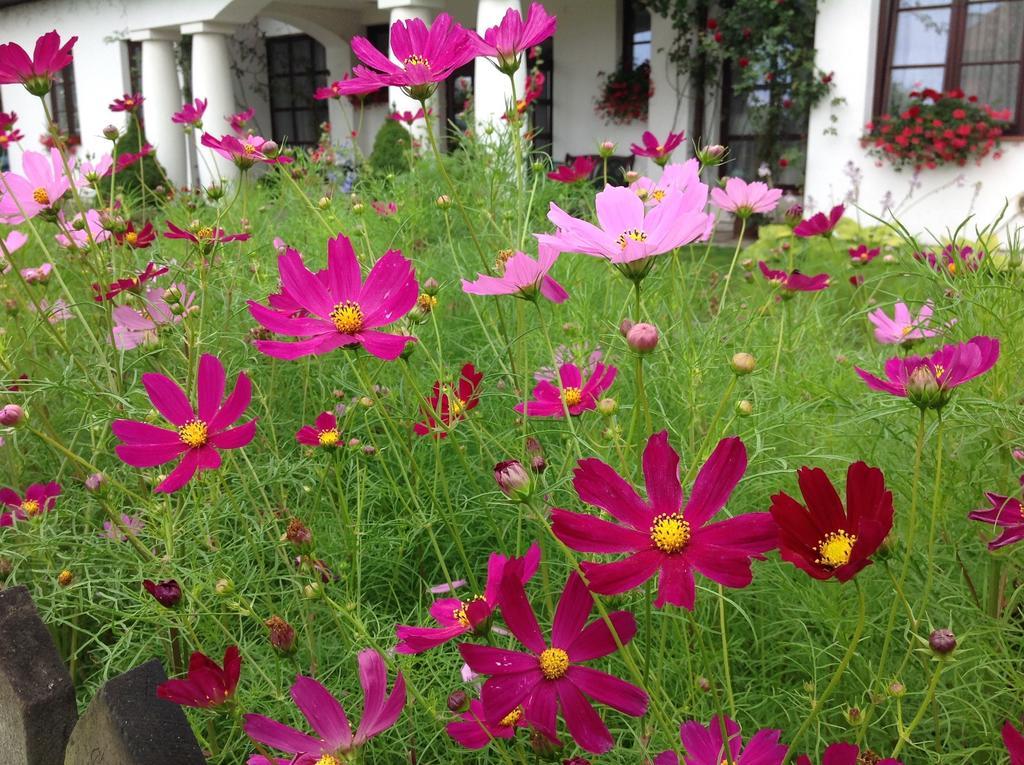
732	266
726	668
929	696
934	521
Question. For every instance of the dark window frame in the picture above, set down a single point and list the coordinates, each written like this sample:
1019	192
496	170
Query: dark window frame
64	107
284	120
134	58
953	63
630	10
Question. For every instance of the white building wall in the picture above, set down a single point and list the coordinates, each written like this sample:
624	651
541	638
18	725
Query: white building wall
846	40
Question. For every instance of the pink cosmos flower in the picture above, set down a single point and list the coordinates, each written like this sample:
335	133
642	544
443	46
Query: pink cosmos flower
468	617
7	138
333	740
133	328
354	87
929	381
384	209
628	234
450	403
75	238
129	158
343	312
39	498
472	730
89	173
41	186
129	102
662	535
37	275
820	224
586	357
426	56
191	115
953	259
205	237
323	433
683	176
197	434
37	72
409	117
903	328
524	277
54	312
659	151
571	394
579	170
113	533
13	241
208	684
794	282
704	745
513	35
129	283
551	674
861	255
7	120
1005	512
848	754
1014	742
240	121
744	199
246	152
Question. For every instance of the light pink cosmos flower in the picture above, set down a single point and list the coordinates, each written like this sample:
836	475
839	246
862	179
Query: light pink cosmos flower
247	151
37	274
40	186
37	72
133	328
342	311
73	238
114	534
196	434
90	173
682	176
903	328
13	241
744	199
55	312
333	741
524	277
627	234
513	35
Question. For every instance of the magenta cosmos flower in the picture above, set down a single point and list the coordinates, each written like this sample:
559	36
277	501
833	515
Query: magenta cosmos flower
324	432
198	433
848	754
627	234
474	732
425	56
506	41
903	328
344	311
129	102
41	185
36	73
794	282
333	741
207	684
705	745
1014	742
240	121
39	498
928	381
572	395
861	254
657	150
450	403
820	224
467	617
523	277
205	237
662	535
1006	513
744	199
246	152
409	117
551	675
191	115
579	170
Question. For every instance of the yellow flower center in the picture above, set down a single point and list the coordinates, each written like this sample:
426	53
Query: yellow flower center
328	437
554	663
634	233
939	371
131	237
328	759
416	60
660	149
460	615
347	317
3	139
248	148
572	396
906	331
426	302
658	195
205	233
835	549
670	533
952	268
503	258
41	196
30	506
194	433
511	718
456	405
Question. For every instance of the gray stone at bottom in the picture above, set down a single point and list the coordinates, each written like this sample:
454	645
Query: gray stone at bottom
126	724
37	700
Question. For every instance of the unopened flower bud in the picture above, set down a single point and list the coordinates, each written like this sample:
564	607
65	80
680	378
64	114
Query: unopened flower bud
744	408
942	642
606	148
631	176
11	416
312	590
6	566
743	363
95	482
358	208
458	702
270	148
369	450
323	203
625	325
431	287
65	578
747	264
711	156
642	338
167	593
298	533
512	479
215	192
854	716
896	689
282	634
353	443
111	133
607	406
1018	454
923	388
443	202
793	215
365	401
224	587
704	684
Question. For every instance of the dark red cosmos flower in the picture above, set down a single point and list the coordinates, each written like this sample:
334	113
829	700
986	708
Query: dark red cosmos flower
822	537
136	239
579	170
129	158
449	403
1014	742
794	282
820	224
129	102
207	685
167	593
132	283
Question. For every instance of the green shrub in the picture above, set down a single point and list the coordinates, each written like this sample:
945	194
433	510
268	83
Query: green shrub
152	174
391	149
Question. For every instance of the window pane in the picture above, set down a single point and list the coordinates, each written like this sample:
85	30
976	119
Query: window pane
905	80
280	93
277	60
921	37
993	31
993	84
305	128
302	55
919	3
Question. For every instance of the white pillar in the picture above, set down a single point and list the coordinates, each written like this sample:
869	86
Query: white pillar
213	80
492	91
404	10
162	92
